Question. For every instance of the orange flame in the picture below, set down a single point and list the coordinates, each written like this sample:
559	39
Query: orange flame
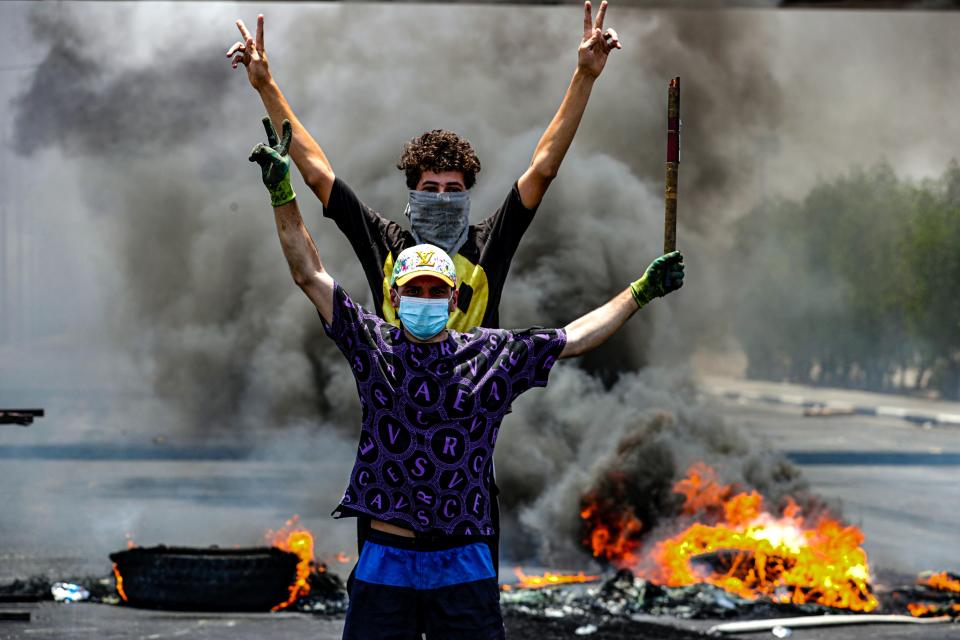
343	558
942	581
616	542
548	579
922	610
297	539
754	553
119	578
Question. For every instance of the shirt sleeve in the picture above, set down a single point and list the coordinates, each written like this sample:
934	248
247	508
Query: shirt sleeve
502	230
352	326
370	234
529	356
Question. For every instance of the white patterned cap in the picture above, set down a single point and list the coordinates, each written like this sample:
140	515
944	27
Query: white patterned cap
420	260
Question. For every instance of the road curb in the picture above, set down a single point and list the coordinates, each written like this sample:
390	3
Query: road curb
910	415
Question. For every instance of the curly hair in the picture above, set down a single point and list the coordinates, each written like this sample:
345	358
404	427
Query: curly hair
439	150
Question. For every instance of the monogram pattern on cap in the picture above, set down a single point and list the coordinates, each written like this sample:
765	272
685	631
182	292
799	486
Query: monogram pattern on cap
425	258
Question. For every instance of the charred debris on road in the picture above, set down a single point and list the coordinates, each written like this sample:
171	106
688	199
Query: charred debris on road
615	603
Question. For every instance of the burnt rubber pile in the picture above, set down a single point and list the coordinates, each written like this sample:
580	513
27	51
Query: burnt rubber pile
624	597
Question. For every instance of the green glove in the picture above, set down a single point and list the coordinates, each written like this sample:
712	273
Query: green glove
275	163
665	274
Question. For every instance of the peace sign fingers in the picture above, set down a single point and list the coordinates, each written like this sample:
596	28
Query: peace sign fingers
250	53
250	46
600	14
287	131
597	42
271	132
245	33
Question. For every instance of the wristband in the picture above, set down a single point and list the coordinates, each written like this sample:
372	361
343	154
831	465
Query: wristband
282	192
639	289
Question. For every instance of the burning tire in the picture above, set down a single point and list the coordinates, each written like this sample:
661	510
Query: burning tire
188	579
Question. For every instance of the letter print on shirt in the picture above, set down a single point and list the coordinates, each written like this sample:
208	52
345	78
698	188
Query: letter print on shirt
431	413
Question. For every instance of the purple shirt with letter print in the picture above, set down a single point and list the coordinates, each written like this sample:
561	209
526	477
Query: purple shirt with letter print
430	416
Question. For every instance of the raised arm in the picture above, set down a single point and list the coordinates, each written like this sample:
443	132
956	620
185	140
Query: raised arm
298	247
665	274
306	153
591	58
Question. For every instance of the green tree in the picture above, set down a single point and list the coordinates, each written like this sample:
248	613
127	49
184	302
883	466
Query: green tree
854	285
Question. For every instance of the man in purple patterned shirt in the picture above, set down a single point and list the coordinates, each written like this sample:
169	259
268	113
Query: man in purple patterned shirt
432	401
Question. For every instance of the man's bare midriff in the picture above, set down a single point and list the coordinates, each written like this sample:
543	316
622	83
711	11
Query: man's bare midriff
386	527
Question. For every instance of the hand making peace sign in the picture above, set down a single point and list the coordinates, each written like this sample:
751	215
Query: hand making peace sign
274	163
597	43
251	54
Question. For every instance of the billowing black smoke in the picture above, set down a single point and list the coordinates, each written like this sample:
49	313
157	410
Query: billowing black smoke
92	107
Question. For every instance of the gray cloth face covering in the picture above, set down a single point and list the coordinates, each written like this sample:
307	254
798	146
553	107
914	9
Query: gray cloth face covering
440	219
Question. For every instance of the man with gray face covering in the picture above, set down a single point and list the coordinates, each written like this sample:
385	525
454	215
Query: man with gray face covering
440	168
441	219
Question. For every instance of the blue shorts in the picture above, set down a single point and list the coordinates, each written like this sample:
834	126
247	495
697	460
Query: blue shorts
404	587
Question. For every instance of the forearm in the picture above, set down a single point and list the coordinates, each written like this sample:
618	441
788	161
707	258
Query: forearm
556	140
303	259
306	153
298	247
593	329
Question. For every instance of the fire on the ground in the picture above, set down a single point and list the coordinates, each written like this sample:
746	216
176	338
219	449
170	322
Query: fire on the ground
729	539
297	539
722	539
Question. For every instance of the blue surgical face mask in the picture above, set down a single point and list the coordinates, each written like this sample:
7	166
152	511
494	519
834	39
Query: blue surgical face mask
424	317
441	219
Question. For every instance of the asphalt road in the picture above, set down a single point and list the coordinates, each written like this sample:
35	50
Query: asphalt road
104	622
